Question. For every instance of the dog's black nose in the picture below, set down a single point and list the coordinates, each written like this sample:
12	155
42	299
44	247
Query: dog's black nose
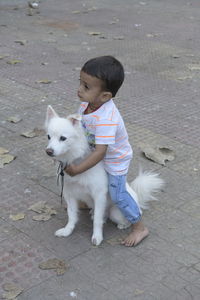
49	151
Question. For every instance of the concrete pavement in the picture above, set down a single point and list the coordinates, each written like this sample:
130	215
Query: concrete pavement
41	52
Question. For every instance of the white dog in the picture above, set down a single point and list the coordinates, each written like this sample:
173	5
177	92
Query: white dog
68	144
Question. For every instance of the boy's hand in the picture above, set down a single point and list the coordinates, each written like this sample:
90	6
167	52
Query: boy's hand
71	170
95	156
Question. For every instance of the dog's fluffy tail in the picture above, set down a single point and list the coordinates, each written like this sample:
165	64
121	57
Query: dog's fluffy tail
146	184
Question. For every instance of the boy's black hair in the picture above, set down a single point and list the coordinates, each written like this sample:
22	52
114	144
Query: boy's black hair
108	69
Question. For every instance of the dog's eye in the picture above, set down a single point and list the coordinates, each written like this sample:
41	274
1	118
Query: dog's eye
63	138
48	137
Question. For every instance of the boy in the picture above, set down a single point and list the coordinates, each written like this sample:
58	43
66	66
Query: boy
100	79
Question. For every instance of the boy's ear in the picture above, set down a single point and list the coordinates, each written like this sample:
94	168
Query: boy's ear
106	96
74	119
50	114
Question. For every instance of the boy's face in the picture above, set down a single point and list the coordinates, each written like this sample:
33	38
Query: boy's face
91	91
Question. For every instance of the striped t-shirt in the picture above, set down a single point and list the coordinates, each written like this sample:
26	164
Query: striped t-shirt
105	126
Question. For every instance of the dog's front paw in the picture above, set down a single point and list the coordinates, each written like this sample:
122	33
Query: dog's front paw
63	232
96	240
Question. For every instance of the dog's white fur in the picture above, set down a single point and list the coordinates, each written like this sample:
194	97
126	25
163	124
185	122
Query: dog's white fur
91	186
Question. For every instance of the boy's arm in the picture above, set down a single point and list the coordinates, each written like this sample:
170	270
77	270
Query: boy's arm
96	156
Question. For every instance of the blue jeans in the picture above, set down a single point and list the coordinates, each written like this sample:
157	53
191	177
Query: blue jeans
124	201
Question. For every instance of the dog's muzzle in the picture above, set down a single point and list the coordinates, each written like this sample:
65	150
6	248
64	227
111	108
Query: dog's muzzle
50	152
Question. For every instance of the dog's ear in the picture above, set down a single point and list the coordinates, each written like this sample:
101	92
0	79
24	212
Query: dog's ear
50	113
74	119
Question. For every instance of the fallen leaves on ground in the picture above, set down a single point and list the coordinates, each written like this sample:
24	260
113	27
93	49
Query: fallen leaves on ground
94	33
3	151
185	77
32	133
175	56
44	81
43	217
138	292
45	211
5	158
14	62
84	11
152	35
194	67
114	241
158	154
56	264
12	291
14	119
17	217
21	42
76	12
38	207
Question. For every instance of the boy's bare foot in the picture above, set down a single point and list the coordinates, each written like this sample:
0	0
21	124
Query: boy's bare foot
139	232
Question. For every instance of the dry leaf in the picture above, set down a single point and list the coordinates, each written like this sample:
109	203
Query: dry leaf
58	265
43	209
17	217
50	211
114	241
6	159
30	11
194	67
29	134
42	217
175	56
152	35
149	35
93	8
14	119
12	291
114	21
46	215
21	42
32	133
61	271
14	62
138	292
38	207
76	12
44	63
44	81
3	150
184	77
94	33
158	154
